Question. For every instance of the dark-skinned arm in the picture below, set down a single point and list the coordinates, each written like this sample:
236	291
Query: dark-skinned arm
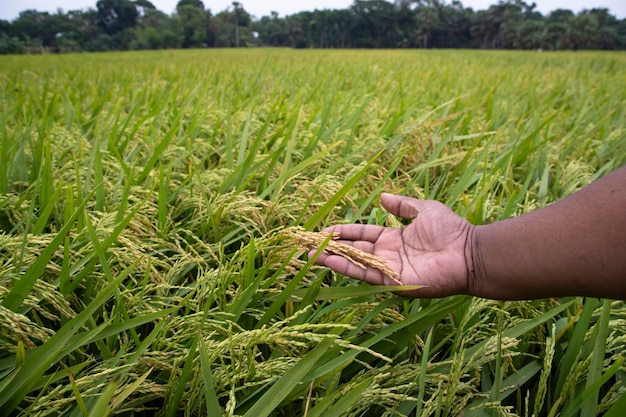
575	246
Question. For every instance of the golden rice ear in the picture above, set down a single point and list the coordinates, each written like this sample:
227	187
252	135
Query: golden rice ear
362	259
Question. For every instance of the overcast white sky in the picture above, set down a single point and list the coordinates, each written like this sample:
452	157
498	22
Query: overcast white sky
9	9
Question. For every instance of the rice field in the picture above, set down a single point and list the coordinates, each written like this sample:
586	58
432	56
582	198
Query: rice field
146	204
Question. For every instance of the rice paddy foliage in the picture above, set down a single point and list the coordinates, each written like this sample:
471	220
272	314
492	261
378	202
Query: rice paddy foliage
142	198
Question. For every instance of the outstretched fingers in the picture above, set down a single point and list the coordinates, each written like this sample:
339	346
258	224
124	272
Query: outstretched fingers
357	232
345	267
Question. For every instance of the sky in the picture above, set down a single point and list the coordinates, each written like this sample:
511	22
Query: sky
9	9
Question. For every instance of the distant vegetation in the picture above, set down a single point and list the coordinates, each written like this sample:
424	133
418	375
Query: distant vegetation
135	25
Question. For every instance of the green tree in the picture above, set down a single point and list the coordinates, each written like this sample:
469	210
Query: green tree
582	30
35	28
195	3
70	35
608	38
555	35
454	26
607	35
229	24
557	28
427	18
143	6
5	27
116	16
405	24
158	31
294	29
11	44
236	12
195	23
531	34
510	18
374	23
273	31
564	16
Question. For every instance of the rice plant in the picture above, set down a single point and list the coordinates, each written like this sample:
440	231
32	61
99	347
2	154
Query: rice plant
145	200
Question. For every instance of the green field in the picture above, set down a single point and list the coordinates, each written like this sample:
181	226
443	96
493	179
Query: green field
142	198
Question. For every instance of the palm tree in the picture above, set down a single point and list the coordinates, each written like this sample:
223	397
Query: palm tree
236	5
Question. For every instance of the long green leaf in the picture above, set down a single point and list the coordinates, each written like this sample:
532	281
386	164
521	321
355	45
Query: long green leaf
524	327
102	407
424	319
345	403
591	391
185	376
423	372
122	396
597	358
44	216
115	329
575	343
212	404
288	381
48	353
334	200
22	287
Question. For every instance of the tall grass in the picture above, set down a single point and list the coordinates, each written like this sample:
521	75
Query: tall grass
142	267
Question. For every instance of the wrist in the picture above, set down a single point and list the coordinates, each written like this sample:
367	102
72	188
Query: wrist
475	271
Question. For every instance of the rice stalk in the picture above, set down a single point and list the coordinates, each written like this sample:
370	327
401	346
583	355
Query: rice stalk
311	240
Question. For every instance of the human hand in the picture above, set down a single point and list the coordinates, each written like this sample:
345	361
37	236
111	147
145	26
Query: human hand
430	251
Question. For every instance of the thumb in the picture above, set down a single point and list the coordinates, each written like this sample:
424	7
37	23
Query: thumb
401	206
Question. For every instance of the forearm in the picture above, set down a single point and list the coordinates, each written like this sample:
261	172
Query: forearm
576	246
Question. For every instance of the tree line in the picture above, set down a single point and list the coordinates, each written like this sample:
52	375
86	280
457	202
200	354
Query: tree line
137	24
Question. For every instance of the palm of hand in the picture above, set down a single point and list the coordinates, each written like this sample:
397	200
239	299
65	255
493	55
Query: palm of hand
430	251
